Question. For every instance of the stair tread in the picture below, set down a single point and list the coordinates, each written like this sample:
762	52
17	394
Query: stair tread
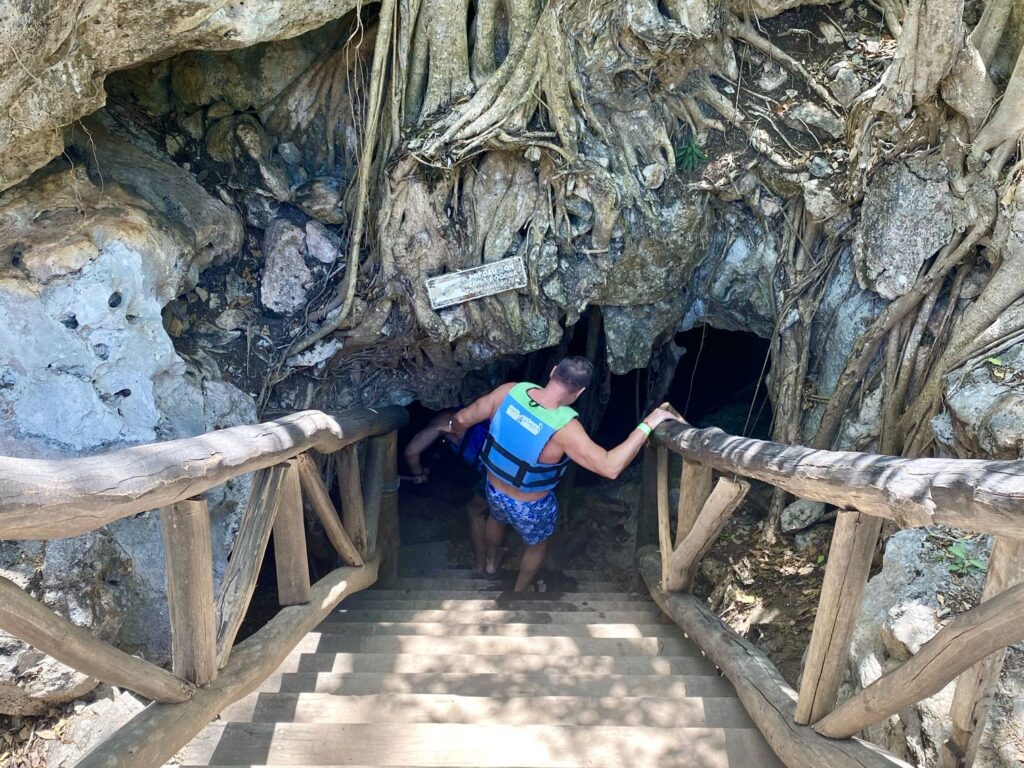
488	644
410	601
406	663
576	597
477	746
642	615
519	710
503	583
597	630
500	684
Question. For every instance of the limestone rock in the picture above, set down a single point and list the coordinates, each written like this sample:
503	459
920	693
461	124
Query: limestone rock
285	274
92	724
322	244
320	198
801	514
907	215
900	612
53	59
85	271
985	403
807	115
845	85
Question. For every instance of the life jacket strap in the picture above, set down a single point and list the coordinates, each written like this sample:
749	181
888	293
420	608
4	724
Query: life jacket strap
554	472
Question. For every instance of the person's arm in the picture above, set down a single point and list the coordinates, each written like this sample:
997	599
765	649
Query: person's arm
578	446
423	440
479	410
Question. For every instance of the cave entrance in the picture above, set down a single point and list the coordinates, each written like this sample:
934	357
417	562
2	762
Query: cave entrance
717	378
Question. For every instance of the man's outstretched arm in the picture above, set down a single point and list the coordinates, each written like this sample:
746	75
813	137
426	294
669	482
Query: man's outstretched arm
479	410
578	446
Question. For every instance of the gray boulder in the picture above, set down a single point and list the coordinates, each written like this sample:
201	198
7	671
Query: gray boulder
802	514
285	274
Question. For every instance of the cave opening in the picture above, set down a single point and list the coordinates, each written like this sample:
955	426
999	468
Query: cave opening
718	378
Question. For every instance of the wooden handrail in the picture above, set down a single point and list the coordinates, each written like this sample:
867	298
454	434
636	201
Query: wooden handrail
984	496
50	499
978	495
58	498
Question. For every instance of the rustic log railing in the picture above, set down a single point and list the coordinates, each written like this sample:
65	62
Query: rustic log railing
44	499
809	730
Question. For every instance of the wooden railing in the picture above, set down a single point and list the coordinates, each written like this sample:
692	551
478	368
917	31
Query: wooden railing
43	499
982	496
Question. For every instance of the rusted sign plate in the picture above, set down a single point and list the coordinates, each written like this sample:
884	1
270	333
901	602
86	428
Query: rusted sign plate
476	282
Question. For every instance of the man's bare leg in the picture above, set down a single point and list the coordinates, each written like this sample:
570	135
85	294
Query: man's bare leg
476	510
533	559
494	535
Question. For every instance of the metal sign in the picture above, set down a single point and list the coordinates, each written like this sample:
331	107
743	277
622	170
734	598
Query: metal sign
476	282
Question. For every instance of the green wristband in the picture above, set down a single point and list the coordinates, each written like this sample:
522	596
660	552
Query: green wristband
642	426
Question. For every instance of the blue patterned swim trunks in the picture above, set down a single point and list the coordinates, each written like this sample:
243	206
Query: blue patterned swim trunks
533	520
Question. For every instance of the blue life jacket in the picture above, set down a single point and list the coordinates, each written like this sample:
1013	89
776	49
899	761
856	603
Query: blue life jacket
471	445
520	430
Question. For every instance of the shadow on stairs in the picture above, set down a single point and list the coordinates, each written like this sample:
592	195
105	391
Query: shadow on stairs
444	669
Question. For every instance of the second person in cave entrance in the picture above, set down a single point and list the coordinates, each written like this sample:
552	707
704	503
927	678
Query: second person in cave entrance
532	436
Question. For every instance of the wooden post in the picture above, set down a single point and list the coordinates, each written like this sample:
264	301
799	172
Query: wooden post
290	555
188	554
973	697
319	500
846	575
961	643
664	524
684	561
388	536
694	488
373	486
247	556
350	488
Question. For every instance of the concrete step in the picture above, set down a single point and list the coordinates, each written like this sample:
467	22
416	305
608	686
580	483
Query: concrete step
377	593
477	746
519	710
407	663
501	685
376	599
506	574
434	584
351	628
488	645
643	615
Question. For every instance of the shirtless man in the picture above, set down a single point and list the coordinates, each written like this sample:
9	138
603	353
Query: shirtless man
533	435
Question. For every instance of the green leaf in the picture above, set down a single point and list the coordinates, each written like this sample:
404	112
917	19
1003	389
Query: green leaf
979	564
821	559
994	361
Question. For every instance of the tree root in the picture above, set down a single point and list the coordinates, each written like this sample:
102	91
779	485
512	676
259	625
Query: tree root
346	295
744	31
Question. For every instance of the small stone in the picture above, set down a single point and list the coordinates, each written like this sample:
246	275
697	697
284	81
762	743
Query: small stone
219	110
290	153
202	293
810	115
532	154
320	198
230	319
320	352
819	167
772	77
653	175
801	514
322	244
845	86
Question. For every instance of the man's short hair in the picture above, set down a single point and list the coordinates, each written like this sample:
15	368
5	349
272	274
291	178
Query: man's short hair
574	372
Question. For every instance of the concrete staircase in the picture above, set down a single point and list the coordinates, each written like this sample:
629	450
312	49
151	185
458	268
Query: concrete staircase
447	670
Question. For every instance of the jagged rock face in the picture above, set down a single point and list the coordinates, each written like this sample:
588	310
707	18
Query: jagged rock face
85	272
54	58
